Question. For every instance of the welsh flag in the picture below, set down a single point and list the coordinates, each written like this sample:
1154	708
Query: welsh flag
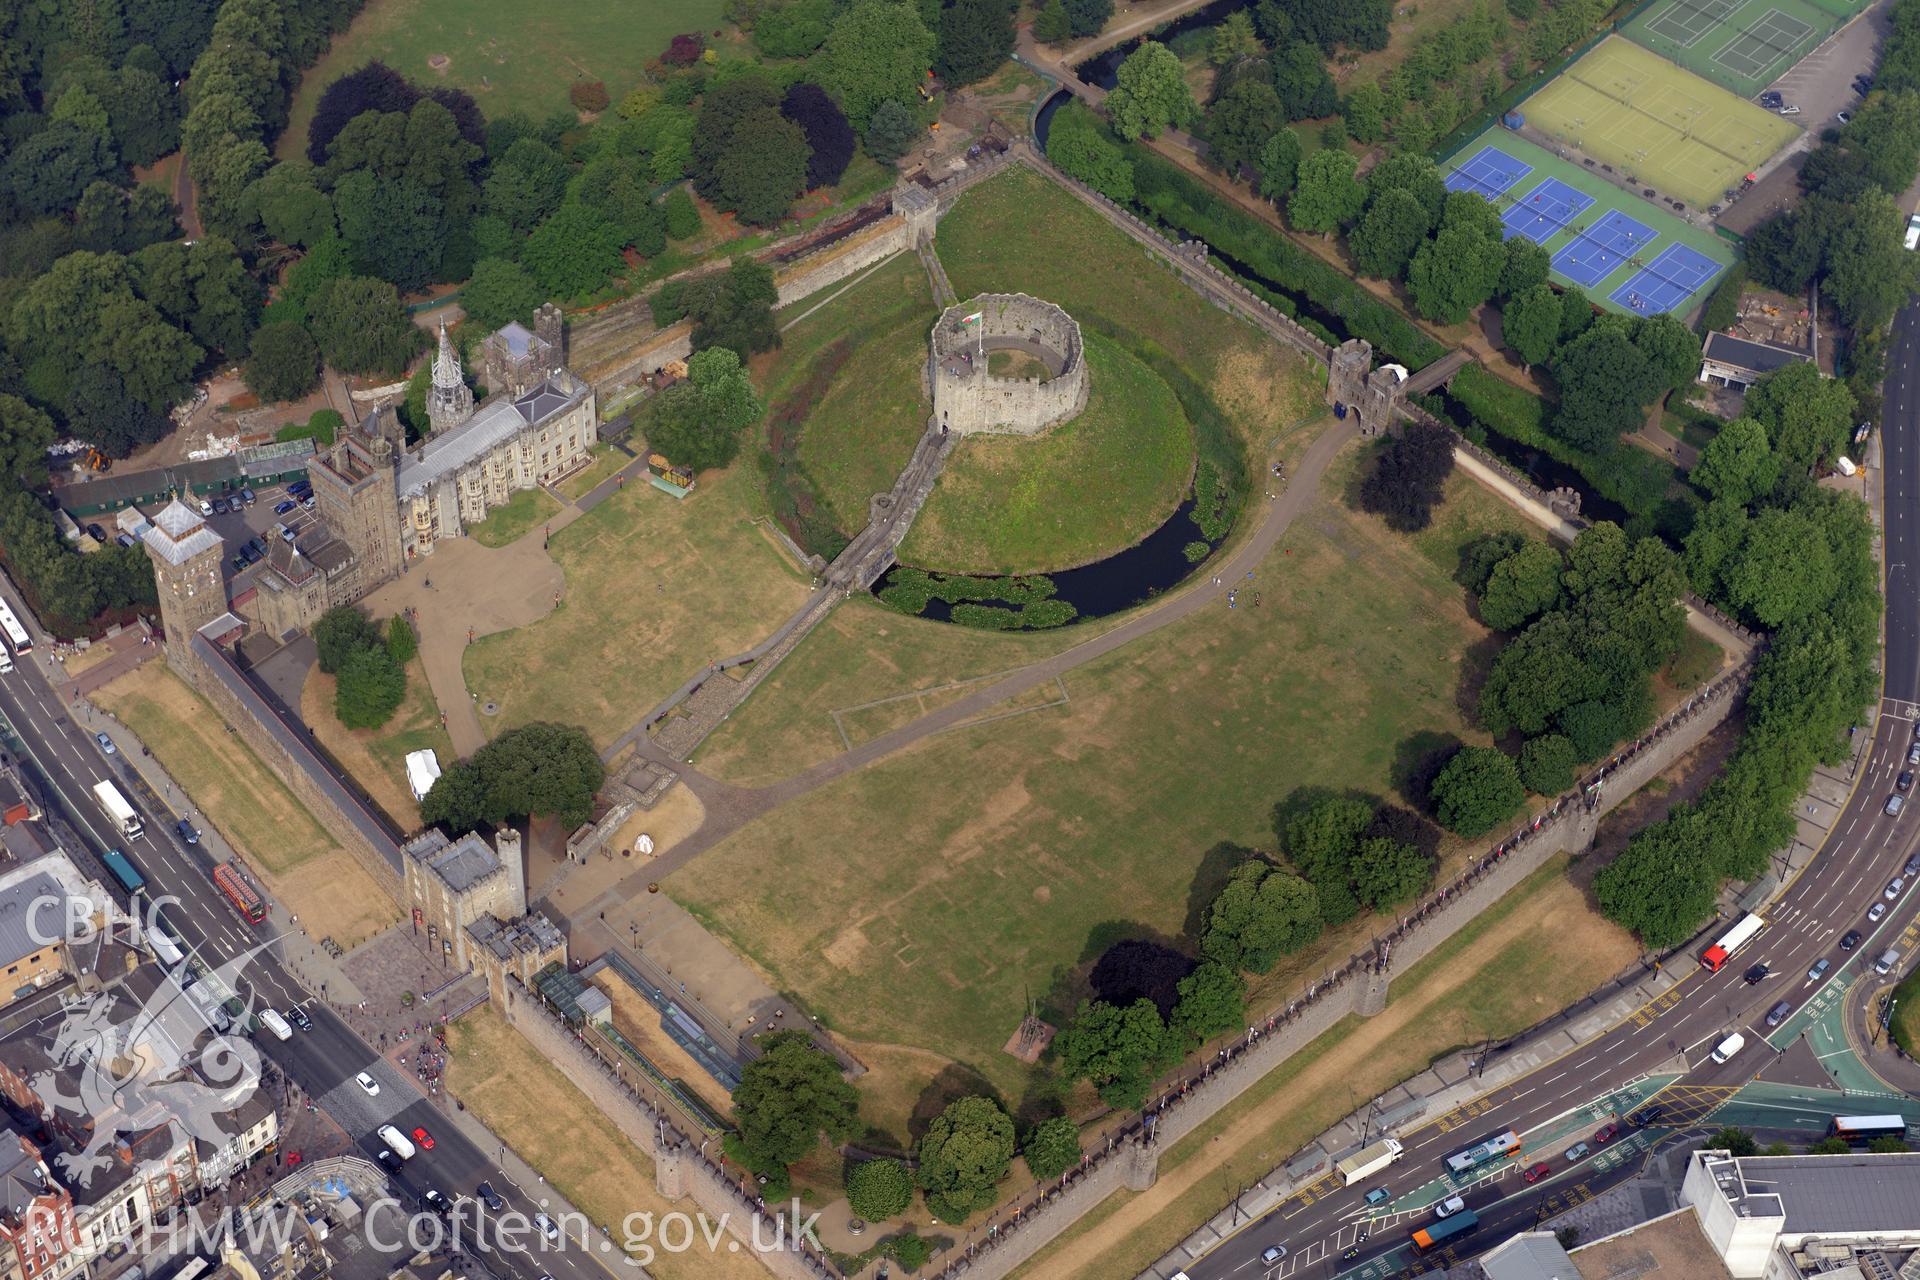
972	319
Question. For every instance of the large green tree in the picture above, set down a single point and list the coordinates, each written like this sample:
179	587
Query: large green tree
1261	914
964	1155
1150	93
1530	324
1393	227
1387	872
973	37
1521	587
572	253
370	689
788	1097
1239	125
1476	791
697	423
1052	1147
1455	272
283	363
538	768
361	326
1118	1049
1326	195
878	51
499	292
879	1189
1213	1001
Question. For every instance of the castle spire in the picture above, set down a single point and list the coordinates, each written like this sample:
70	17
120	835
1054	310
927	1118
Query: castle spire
449	399
446	365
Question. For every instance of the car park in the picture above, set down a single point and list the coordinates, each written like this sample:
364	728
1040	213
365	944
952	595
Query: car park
1875	911
1538	1172
206	508
1273	1253
220	507
368	1084
1895	888
1778	1014
285	505
286	535
1850	939
1605	1133
1819	970
1770	98
246	496
1577	1152
186	831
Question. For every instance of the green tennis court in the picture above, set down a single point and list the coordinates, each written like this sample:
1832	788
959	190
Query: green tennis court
1657	124
1741	45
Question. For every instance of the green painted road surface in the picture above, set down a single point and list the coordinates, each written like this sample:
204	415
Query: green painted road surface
1766	1106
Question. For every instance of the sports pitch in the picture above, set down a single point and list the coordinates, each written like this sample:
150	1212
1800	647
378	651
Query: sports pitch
1660	126
1743	45
1628	255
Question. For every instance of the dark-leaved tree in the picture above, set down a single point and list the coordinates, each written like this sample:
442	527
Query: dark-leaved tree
1408	477
829	137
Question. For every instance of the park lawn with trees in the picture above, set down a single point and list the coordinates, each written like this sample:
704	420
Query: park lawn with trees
1082	490
1536	950
644	607
927	959
498	53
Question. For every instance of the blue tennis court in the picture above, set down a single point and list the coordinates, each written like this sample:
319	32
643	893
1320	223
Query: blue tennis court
1595	251
1668	281
1490	172
1548	208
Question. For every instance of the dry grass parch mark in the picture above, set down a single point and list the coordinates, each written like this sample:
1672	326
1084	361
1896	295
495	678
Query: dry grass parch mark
636	1018
932	857
237	795
553	1126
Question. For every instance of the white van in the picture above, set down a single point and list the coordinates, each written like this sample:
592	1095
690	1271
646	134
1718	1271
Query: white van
400	1144
276	1024
1728	1047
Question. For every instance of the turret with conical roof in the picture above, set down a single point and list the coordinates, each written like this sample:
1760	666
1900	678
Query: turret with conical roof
449	399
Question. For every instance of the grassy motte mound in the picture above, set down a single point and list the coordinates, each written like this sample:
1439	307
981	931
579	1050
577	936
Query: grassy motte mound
1074	494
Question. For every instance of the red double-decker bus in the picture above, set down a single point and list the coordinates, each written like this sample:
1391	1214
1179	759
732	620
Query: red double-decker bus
245	898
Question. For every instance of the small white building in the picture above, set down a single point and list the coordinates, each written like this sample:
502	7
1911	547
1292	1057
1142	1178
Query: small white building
423	770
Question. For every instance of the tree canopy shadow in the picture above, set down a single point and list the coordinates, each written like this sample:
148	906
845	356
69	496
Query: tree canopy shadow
1417	758
1216	866
955	1081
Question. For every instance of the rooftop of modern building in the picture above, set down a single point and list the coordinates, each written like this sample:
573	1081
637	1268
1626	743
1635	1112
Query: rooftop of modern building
1670	1247
1853	1193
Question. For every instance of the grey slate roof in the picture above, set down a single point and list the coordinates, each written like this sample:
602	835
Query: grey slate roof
517	338
1760	357
492	425
1530	1256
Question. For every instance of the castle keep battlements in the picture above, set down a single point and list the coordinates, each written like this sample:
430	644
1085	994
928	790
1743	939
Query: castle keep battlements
967	399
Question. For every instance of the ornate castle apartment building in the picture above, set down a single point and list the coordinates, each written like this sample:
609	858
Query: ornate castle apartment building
378	504
537	426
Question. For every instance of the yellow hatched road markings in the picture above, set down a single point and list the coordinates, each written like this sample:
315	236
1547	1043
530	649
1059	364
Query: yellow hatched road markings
1651	1010
1687	1104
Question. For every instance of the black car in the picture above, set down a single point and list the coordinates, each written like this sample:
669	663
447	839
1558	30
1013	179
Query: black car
494	1200
1756	973
389	1161
298	1017
1905	781
185	830
1771	98
1850	939
95	532
436	1202
1649	1116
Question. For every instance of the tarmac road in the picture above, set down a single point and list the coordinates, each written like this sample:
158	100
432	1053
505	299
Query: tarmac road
1864	849
323	1061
